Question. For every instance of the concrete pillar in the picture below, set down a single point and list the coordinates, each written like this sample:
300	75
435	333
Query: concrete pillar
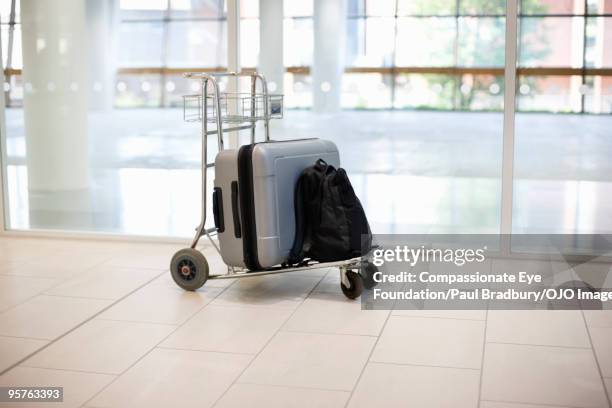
329	50
103	29
55	68
271	43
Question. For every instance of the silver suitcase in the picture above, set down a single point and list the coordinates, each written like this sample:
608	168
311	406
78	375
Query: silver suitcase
253	198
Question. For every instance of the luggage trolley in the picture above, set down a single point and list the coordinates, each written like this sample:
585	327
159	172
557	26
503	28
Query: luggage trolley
241	111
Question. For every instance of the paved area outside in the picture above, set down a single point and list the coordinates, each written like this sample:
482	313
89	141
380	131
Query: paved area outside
105	321
414	171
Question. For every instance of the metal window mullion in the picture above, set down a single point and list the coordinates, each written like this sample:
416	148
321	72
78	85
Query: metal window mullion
507	181
393	54
584	46
456	78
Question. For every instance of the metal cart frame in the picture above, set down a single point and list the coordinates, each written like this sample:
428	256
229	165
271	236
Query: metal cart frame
189	267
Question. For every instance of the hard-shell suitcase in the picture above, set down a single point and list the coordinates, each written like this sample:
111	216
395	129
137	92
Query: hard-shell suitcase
253	198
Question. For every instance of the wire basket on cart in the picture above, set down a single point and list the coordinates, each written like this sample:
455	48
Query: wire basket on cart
235	107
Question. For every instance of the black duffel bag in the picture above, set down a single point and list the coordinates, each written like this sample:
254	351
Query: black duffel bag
330	222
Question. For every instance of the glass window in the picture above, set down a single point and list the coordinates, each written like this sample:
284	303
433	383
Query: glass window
249	42
138	91
480	7
549	93
4	32
249	8
551	7
384	8
5	11
551	42
175	87
598	52
197	8
370	42
366	91
425	41
356	7
598	95
16	61
298	8
141	44
599	7
426	7
481	41
480	92
424	91
298	42
298	90
143	9
197	44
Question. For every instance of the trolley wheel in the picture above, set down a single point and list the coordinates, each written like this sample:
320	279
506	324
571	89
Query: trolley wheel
369	269
356	282
189	269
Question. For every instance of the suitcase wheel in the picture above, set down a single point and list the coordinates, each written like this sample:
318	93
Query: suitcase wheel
356	285
189	269
367	273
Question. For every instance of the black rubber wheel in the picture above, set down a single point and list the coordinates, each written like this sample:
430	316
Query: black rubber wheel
189	269
356	283
368	270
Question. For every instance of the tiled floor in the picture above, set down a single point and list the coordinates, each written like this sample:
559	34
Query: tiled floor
105	321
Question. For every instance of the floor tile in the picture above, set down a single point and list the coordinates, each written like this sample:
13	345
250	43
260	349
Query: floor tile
432	342
105	283
496	404
598	318
61	264
390	385
102	346
156	303
444	314
174	378
13	349
602	344
143	256
335	314
330	283
229	329
47	317
267	396
324	361
16	289
538	327
281	291
78	387
166	280
542	375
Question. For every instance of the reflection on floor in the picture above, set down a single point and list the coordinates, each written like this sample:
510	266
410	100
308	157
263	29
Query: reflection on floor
414	171
113	329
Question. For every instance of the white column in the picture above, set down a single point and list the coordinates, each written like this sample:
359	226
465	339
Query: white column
54	36
103	29
271	43
233	57
3	225
329	48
